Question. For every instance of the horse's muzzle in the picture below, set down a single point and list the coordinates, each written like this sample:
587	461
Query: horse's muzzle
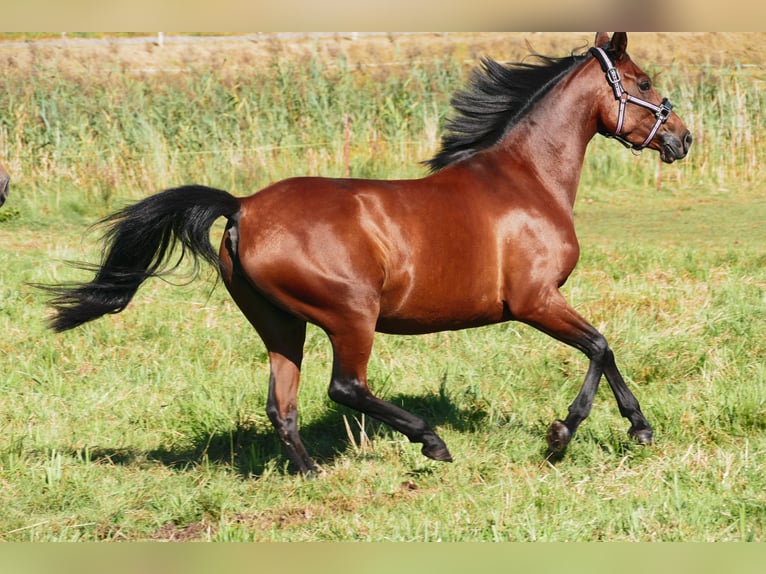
3	187
672	147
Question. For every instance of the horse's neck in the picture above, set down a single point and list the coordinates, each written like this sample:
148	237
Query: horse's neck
553	137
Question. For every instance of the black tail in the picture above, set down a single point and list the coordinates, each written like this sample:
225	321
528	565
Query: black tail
138	244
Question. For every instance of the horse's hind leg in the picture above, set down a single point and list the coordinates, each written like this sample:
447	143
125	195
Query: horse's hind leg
351	353
559	320
284	336
281	405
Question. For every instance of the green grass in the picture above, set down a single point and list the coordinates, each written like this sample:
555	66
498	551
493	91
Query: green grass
150	424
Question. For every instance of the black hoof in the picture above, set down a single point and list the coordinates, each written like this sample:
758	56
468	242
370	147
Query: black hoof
307	468
312	473
642	436
435	448
558	437
437	453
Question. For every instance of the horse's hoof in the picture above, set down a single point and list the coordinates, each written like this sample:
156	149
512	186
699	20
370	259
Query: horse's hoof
307	467
440	454
437	452
558	437
642	436
311	472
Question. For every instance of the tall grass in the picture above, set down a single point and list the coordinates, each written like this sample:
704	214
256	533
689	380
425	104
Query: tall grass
68	132
127	135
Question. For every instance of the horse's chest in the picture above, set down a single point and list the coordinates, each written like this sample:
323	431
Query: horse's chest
538	249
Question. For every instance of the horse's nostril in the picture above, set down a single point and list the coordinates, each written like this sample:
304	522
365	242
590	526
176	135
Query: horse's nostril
687	141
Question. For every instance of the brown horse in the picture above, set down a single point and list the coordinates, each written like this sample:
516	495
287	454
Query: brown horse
4	184
487	237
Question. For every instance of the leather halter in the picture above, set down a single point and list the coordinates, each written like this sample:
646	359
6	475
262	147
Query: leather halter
661	112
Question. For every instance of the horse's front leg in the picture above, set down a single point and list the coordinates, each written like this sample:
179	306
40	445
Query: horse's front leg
559	320
560	432
627	402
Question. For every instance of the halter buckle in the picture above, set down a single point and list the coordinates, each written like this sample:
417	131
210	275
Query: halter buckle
664	110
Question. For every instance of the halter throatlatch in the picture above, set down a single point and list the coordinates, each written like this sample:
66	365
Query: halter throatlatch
661	112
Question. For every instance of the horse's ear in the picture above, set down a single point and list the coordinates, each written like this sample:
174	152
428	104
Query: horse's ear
619	44
602	39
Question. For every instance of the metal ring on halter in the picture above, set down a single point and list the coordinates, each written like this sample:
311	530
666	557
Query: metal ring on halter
661	112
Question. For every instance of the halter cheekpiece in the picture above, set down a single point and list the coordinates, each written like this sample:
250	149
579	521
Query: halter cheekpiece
661	112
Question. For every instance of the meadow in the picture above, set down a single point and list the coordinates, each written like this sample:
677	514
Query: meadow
150	424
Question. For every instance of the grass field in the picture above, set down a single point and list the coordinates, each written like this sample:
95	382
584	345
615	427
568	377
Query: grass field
150	425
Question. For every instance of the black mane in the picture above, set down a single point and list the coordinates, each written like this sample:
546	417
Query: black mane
496	98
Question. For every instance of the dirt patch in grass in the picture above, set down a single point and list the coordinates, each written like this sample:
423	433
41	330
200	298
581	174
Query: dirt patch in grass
171	532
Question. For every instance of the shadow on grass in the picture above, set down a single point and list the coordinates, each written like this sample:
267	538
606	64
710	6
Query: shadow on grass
252	450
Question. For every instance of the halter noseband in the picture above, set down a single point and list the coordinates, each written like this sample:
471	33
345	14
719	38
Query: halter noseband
661	112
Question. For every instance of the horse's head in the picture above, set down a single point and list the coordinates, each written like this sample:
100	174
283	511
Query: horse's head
4	179
631	111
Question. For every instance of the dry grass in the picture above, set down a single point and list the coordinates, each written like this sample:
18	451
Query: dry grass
239	55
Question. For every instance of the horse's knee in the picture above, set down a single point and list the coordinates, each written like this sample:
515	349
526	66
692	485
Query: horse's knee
349	392
598	350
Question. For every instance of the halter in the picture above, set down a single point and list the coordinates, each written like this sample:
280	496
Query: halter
661	112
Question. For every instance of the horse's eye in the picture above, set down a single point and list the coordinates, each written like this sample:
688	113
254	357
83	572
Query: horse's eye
645	85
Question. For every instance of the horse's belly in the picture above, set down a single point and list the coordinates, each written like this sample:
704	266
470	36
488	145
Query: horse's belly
434	313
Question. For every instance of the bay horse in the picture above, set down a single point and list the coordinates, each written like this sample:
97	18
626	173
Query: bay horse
487	236
4	184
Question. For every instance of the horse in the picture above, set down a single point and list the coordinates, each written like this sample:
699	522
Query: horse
4	184
486	236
